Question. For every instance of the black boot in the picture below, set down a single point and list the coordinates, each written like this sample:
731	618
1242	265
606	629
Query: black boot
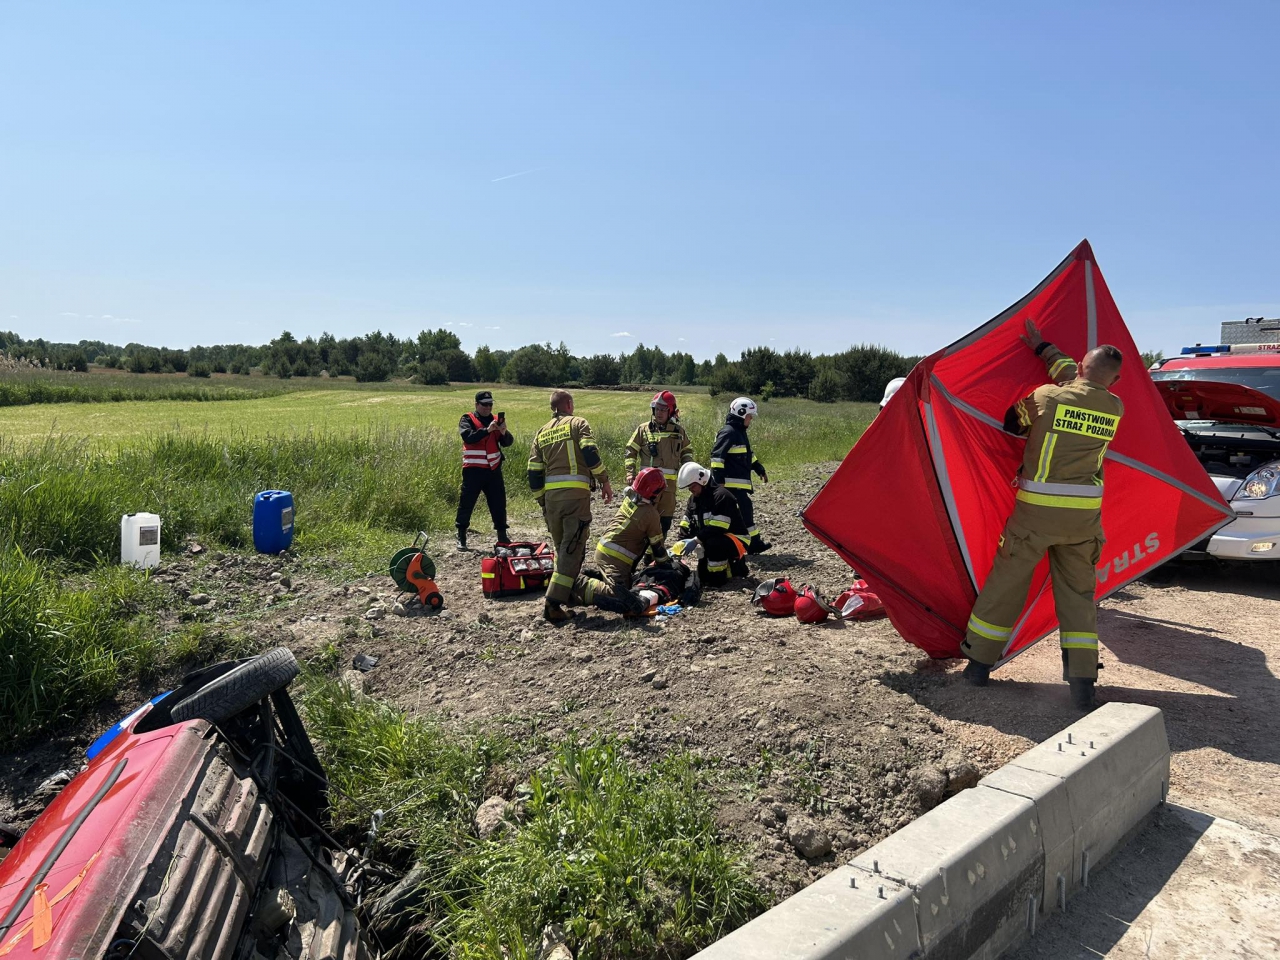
977	673
739	568
758	545
1081	693
555	613
502	536
1065	674
462	539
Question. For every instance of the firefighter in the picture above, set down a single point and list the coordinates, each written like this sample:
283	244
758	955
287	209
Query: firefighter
483	436
663	443
714	518
564	467
1068	425
636	529
732	463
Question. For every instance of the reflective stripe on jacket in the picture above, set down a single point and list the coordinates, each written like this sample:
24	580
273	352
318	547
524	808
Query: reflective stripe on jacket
484	452
635	527
654	446
1068	427
564	459
732	457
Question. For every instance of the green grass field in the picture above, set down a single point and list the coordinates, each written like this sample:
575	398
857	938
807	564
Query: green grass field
648	876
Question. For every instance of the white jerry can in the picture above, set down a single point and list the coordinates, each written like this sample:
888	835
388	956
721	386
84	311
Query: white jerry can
140	540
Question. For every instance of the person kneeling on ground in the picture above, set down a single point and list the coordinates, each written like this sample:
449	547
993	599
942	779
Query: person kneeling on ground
714	518
636	528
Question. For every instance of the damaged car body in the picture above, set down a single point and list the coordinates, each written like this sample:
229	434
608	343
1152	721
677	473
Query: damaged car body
1229	410
198	829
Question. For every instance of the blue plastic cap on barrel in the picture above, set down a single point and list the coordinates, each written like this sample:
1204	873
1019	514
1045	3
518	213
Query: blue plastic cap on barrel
272	521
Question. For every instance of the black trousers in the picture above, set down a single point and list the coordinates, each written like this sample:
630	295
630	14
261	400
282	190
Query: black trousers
477	480
748	511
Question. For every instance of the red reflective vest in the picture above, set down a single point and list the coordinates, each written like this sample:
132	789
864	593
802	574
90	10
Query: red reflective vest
482	454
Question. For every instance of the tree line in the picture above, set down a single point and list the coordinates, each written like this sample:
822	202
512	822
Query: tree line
437	357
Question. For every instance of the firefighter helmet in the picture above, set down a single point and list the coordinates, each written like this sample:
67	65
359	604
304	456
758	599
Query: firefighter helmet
776	597
810	608
649	482
743	407
691	473
665	399
892	387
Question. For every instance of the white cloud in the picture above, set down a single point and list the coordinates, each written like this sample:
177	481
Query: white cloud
681	339
466	324
106	316
493	328
13	316
621	333
124	320
68	314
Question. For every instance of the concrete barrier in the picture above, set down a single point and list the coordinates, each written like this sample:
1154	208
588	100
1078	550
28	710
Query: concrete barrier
969	879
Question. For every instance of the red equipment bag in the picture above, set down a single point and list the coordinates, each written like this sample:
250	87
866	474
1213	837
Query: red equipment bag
516	568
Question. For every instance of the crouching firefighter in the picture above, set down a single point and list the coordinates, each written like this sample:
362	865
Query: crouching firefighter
714	518
1068	425
733	462
636	528
564	467
663	443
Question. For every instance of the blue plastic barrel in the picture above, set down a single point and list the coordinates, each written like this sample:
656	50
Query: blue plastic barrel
272	521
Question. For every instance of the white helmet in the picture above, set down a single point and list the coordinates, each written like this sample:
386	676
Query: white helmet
891	388
691	473
743	407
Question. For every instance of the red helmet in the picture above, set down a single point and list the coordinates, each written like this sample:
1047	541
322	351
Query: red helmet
667	399
649	482
776	597
859	602
810	608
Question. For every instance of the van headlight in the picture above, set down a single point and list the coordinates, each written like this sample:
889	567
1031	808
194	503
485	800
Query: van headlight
1260	484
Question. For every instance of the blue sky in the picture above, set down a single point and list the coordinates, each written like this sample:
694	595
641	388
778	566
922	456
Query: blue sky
704	176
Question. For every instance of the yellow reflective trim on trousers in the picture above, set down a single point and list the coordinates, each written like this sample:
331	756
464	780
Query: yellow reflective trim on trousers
568	485
1046	456
562	580
1074	639
1079	644
1074	503
738	484
716	567
589	592
988	630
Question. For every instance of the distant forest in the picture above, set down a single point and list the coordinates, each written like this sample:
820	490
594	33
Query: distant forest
437	357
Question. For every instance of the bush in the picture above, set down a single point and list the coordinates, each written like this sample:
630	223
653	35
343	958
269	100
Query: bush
828	386
767	392
199	370
433	372
373	368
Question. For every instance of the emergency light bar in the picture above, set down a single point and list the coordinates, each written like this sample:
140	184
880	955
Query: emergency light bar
1199	351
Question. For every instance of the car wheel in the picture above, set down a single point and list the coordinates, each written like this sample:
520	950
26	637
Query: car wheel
239	688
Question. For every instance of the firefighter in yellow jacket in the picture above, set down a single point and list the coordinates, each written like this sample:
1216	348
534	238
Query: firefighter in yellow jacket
662	443
1068	425
636	529
564	467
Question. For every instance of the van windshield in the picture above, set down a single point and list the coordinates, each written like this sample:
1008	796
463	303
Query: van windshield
1263	379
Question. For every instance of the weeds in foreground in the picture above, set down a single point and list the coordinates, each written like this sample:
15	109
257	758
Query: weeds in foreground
64	648
626	860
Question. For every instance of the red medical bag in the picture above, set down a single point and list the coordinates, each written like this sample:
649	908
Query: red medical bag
516	568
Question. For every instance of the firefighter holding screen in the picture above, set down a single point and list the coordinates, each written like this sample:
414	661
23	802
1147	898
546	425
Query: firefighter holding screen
1068	425
564	467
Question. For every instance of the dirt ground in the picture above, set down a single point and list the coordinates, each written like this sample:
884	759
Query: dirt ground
839	732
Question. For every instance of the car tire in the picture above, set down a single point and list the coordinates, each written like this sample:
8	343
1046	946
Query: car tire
240	688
